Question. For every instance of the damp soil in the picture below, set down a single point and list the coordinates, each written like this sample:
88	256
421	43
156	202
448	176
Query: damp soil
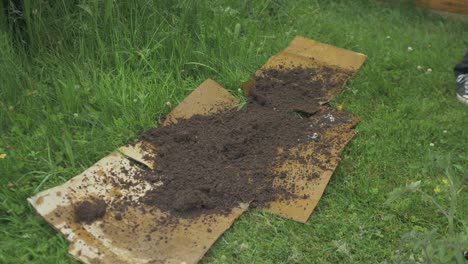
298	89
208	165
90	210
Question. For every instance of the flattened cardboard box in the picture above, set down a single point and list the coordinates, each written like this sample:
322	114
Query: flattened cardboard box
188	241
307	53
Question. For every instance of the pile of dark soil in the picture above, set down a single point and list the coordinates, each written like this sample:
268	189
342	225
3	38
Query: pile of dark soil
211	164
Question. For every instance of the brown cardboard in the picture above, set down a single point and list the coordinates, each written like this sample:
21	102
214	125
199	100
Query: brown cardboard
189	240
307	53
208	98
310	53
321	160
109	244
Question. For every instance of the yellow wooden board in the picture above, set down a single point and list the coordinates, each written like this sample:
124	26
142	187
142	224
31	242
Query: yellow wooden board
452	6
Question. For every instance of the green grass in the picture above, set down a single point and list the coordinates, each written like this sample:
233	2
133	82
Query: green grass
82	79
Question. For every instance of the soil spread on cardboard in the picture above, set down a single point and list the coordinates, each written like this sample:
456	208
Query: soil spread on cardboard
211	164
90	210
298	89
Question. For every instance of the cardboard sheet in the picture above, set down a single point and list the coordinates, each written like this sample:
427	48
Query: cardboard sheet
107	241
307	53
303	52
112	241
312	174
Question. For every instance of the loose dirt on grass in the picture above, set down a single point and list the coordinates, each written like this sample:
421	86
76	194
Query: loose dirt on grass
210	164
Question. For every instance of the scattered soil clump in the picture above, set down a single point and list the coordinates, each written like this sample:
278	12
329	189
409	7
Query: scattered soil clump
90	210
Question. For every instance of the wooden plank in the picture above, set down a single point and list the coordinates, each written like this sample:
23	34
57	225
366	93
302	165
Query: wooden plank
452	6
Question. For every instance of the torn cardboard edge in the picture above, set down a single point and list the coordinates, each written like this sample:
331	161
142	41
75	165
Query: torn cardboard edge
94	245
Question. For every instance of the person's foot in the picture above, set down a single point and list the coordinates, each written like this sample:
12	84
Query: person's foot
462	88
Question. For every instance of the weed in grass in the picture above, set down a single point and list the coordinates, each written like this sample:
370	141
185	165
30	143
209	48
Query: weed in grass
438	245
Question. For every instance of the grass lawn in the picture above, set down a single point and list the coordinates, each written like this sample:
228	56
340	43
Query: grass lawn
80	80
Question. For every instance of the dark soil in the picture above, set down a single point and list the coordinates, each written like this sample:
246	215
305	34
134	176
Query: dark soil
90	210
298	89
210	164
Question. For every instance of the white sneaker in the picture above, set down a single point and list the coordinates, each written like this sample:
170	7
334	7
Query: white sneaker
462	91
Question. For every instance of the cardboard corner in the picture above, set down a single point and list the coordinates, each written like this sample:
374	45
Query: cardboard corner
208	98
306	52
